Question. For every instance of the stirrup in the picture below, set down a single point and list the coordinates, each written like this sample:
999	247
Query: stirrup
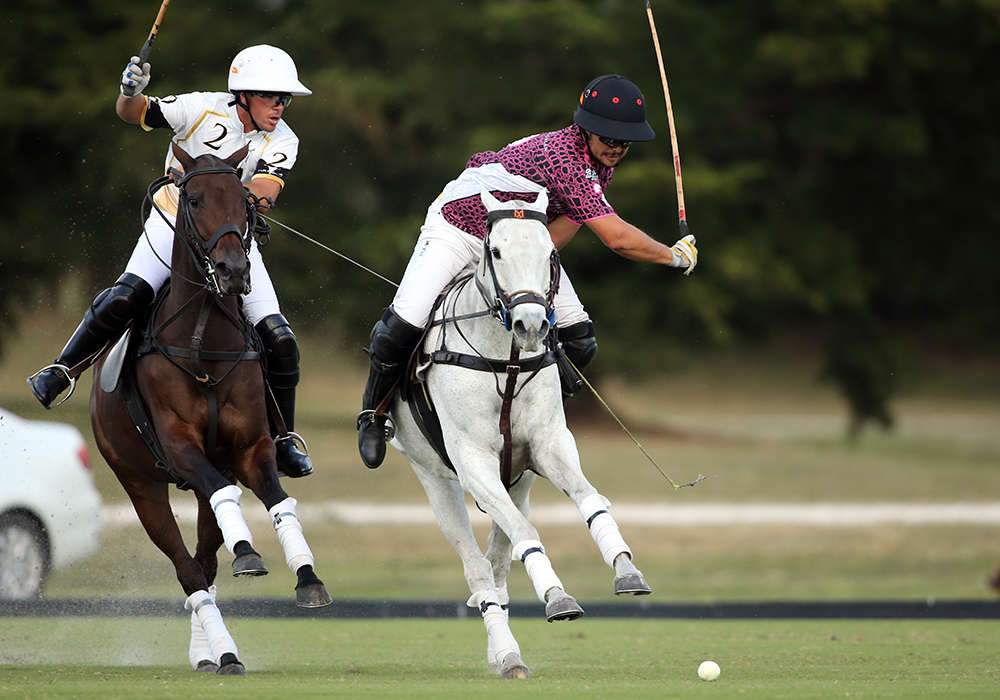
65	370
370	414
296	438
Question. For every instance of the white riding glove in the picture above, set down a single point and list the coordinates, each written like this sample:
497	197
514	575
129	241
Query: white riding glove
135	78
685	254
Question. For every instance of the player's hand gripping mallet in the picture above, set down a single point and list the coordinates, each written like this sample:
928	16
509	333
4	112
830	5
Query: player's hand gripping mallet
681	213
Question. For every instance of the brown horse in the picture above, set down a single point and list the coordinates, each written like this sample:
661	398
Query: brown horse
204	395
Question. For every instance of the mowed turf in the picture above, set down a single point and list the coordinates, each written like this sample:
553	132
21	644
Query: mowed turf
137	657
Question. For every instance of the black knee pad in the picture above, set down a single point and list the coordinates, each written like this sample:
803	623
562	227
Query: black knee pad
393	339
579	343
281	350
114	308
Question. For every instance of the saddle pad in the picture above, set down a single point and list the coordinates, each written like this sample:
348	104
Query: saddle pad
113	363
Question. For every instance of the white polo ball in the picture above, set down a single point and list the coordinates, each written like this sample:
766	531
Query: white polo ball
708	671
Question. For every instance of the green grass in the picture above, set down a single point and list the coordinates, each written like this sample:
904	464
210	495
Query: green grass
85	658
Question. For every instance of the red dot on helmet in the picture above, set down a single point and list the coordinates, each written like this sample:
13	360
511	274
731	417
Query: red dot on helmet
638	101
593	93
615	100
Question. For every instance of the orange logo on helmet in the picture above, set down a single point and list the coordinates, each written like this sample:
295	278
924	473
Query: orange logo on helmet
519	213
235	69
581	98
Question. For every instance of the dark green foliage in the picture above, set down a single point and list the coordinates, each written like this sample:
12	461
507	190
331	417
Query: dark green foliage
836	155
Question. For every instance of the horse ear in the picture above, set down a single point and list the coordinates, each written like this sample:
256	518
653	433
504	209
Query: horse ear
542	202
237	158
186	161
489	201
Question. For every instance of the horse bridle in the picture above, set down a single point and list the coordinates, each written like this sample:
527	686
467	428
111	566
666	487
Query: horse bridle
500	302
199	248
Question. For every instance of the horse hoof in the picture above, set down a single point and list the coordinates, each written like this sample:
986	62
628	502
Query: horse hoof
206	666
231	666
631	584
513	667
312	596
563	608
249	565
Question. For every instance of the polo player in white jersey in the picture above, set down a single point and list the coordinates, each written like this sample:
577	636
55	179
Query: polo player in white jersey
575	166
262	81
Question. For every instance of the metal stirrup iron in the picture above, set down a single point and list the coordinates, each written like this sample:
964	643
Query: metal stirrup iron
294	437
370	414
65	370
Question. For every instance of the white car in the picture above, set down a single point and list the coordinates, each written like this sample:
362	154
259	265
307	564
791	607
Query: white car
50	510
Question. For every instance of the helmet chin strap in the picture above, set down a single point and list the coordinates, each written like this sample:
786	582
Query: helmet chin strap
238	100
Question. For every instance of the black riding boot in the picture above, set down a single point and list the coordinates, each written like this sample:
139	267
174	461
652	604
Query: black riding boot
109	315
392	341
282	353
576	342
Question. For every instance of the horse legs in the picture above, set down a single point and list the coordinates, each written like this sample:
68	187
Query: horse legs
560	462
480	476
152	504
448	502
499	546
263	480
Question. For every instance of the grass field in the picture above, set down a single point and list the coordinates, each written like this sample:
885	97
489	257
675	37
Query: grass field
91	658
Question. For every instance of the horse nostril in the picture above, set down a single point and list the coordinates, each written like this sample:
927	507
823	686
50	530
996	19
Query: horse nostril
518	328
223	270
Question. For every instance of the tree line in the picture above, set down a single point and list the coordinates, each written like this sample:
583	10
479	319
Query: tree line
839	158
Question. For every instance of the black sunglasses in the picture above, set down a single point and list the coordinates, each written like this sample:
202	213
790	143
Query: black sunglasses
614	143
280	98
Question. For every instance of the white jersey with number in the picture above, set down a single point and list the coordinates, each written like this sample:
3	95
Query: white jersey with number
206	122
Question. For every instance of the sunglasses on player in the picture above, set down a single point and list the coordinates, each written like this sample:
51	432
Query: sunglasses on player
276	98
614	143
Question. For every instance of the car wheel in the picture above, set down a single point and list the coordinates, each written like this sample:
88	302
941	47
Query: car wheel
24	557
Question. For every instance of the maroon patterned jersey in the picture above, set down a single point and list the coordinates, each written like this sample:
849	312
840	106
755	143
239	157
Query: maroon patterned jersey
558	161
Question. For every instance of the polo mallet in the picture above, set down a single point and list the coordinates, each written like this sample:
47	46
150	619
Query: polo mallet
148	46
681	213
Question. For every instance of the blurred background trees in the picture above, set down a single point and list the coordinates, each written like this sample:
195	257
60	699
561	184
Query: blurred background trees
840	159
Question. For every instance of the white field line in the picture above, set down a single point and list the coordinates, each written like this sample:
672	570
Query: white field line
648	514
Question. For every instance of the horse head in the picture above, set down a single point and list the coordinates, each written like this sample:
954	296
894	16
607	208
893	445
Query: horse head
519	269
213	204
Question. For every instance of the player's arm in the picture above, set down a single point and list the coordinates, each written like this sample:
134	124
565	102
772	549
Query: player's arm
261	187
562	231
630	242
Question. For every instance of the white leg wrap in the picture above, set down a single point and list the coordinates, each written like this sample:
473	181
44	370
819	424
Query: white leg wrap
289	529
603	527
538	566
226	506
500	640
201	604
200	650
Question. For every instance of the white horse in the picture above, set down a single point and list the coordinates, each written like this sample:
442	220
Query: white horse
514	282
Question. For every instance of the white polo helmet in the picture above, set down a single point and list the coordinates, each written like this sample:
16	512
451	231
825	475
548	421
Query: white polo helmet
265	68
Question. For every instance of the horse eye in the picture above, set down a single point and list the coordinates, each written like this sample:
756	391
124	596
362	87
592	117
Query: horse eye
495	252
193	201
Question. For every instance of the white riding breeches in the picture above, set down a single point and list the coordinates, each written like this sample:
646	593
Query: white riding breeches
151	264
442	253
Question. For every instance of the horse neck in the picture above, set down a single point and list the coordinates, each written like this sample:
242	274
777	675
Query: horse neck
186	280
